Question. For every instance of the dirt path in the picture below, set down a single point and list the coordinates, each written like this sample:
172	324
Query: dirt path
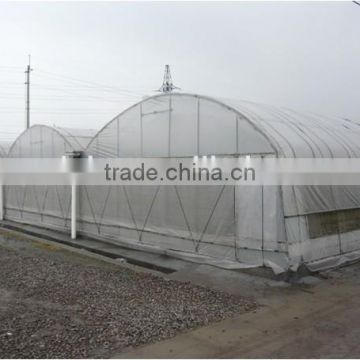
322	320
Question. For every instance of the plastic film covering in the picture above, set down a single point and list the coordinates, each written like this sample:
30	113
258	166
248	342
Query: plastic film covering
179	125
303	134
280	227
184	218
257	225
4	148
310	135
48	205
221	222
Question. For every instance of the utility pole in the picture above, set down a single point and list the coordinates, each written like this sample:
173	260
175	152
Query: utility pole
167	85
27	83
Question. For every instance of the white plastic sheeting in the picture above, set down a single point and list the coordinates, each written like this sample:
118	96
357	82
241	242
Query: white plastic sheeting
4	147
223	225
47	205
256	225
3	153
41	141
179	125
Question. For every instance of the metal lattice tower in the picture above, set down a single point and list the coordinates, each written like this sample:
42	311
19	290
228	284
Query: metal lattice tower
167	85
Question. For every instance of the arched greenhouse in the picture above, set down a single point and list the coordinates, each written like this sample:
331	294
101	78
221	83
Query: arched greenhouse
277	226
4	147
43	205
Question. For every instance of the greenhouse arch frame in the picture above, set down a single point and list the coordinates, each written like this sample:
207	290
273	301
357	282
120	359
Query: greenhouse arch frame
232	226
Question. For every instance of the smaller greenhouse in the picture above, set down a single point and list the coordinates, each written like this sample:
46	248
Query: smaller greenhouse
4	148
46	205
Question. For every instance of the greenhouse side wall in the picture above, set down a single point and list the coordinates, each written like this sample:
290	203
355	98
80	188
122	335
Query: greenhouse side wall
238	224
323	224
194	219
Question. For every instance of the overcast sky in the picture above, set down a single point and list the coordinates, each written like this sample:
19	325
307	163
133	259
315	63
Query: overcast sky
299	55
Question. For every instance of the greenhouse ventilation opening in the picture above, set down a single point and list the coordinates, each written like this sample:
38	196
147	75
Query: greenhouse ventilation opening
228	226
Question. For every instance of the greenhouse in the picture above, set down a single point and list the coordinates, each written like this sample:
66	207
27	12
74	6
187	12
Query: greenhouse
228	226
47	205
4	147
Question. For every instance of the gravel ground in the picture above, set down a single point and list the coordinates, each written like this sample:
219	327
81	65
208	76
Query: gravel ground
54	307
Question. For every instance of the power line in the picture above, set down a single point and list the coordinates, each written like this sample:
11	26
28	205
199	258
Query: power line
87	84
8	83
10	67
82	90
109	112
65	90
69	89
356	2
93	84
75	84
71	98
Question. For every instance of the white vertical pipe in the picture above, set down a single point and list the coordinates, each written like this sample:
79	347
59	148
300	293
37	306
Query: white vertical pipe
73	210
1	203
198	128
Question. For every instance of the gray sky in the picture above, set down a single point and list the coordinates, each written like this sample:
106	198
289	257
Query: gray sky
300	55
